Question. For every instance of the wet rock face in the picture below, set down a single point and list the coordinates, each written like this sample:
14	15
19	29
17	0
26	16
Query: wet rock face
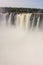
13	18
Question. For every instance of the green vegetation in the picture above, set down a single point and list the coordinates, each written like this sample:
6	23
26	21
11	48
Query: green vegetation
21	10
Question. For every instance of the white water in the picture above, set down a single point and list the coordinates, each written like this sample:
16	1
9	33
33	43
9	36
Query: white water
19	47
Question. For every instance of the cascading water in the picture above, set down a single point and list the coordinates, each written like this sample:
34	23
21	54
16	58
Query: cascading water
7	17
23	20
38	21
33	22
18	20
28	20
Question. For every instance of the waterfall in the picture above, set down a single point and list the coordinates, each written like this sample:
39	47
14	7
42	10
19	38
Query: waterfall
7	18
9	21
3	22
33	21
38	21
23	20
28	20
18	20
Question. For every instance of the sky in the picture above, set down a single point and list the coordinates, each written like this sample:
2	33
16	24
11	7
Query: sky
22	3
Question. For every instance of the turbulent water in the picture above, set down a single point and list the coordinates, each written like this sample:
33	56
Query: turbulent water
21	40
